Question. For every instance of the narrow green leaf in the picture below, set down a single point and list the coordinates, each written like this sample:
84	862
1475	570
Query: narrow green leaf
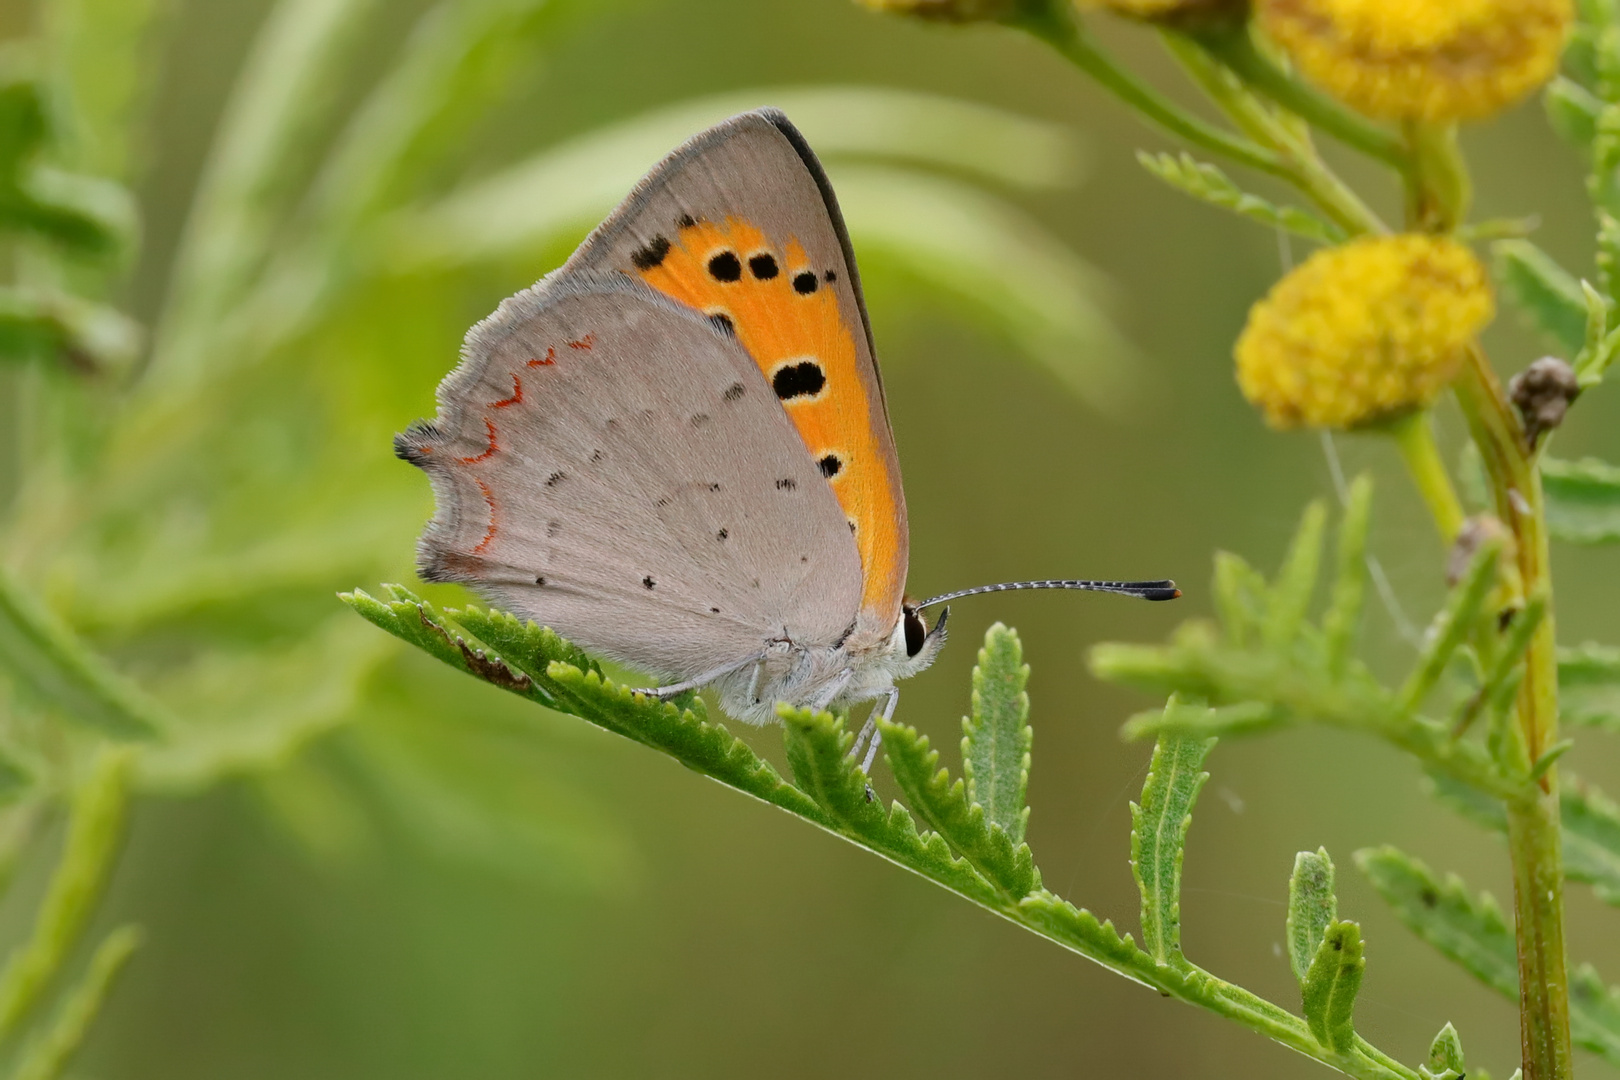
1589	686
1312	908
996	739
1194	721
1159	827
48	1053
1472	933
44	655
1582	500
1291	595
1209	184
1573	111
1509	659
1240	597
1452	625
89	337
1343	618
1446	1054
95	830
818	753
1591	838
944	806
1331	984
1549	295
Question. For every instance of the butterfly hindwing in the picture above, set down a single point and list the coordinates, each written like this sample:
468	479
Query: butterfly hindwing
741	225
609	463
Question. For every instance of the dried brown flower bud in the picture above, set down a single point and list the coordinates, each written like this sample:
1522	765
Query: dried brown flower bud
1542	393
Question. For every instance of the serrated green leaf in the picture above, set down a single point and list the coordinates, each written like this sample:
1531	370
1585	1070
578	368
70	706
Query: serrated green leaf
1591	822
1446	1053
1209	184
1452	625
1473	933
996	738
1312	908
1159	825
1589	686
1343	618
1573	111
1582	500
1331	984
1591	838
1550	296
945	807
1240	597
1291	595
1190	721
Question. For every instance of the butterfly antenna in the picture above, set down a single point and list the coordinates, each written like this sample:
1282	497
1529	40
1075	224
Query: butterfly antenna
1145	590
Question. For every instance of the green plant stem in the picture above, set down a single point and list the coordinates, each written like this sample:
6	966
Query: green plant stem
1414	435
1439	190
1303	167
1233	45
1057	25
1534	842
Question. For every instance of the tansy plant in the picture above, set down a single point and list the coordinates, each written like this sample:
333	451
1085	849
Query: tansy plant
1365	335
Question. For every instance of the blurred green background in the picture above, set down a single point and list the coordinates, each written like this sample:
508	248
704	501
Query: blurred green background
353	863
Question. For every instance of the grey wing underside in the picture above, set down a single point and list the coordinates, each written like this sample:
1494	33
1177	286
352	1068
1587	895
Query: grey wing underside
758	168
609	464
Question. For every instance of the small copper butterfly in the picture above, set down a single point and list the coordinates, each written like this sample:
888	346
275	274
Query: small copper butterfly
675	451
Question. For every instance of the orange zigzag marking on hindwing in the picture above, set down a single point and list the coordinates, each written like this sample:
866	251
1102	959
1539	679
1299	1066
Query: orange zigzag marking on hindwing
489	497
515	399
489	425
583	343
550	358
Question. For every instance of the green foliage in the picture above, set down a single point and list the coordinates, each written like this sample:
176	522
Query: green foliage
1589	685
1267	666
1159	825
1312	908
1473	933
1548	294
996	738
47	1054
1583	500
963	851
1445	1056
1331	984
1208	183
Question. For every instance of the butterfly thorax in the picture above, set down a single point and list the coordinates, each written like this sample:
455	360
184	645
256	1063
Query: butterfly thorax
862	667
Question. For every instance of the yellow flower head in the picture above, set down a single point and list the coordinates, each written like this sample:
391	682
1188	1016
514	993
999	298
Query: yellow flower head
1173	12
1363	332
1433	60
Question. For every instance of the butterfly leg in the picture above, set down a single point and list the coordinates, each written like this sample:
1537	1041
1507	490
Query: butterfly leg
664	693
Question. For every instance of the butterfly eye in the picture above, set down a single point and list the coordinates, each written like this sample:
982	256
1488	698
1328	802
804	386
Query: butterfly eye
916	632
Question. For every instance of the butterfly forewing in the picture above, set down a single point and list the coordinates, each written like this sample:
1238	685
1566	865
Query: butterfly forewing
741	225
609	463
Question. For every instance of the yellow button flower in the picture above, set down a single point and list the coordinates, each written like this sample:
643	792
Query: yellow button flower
1364	332
1432	60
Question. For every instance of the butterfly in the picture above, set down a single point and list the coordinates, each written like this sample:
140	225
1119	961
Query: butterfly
675	449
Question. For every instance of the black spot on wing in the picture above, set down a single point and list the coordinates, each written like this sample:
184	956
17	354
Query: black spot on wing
722	534
734	391
653	254
725	267
804	282
699	419
787	484
722	322
539	579
685	221
556	478
830	276
829	466
763	266
804	379
648	582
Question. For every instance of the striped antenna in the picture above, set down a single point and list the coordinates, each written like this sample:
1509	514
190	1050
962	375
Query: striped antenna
1145	590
